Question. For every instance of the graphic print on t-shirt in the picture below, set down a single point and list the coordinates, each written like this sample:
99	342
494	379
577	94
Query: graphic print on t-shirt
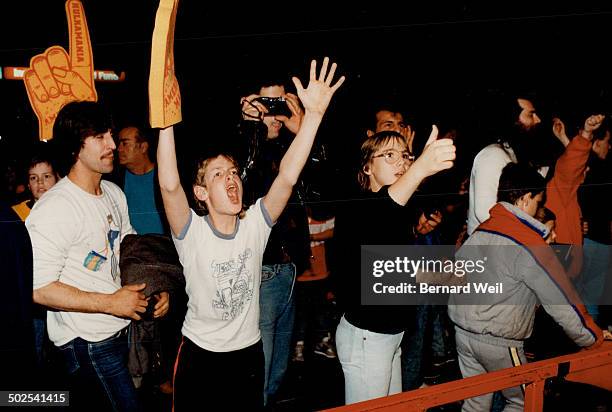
234	285
95	259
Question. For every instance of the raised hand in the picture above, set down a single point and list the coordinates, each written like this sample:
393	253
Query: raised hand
297	114
56	78
591	124
438	155
316	97
558	130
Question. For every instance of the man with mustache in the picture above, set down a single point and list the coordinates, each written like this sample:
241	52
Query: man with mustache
76	231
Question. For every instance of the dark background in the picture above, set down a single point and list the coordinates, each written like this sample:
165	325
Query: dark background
441	61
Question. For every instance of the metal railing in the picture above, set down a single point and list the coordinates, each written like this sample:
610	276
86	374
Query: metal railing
589	366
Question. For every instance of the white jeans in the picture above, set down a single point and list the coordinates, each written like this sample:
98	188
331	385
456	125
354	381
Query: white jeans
370	361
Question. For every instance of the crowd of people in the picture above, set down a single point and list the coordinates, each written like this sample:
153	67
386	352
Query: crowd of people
269	250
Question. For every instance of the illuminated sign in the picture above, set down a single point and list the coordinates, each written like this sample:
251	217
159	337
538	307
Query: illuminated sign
16	73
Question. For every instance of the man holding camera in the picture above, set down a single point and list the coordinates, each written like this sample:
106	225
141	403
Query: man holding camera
270	120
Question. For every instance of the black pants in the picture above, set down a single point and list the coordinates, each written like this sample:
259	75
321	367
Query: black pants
204	380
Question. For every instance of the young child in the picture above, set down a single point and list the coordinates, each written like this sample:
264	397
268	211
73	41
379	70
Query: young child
41	176
221	357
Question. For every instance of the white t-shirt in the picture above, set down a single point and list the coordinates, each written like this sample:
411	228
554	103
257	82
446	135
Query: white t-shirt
223	274
75	240
484	181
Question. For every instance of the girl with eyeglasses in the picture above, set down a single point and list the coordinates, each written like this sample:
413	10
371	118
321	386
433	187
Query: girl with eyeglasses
368	337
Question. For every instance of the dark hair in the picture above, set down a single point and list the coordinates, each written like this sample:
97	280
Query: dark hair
144	135
518	179
544	215
42	152
76	122
369	147
383	105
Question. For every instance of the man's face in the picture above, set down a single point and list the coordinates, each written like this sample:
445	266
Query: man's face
602	147
389	121
223	187
41	178
528	118
130	150
274	126
96	155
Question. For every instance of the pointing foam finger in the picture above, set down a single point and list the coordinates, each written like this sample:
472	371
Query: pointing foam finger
80	44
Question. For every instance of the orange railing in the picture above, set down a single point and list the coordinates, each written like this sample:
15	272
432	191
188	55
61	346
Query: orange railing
590	366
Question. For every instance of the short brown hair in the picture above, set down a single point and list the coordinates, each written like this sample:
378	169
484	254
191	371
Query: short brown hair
369	147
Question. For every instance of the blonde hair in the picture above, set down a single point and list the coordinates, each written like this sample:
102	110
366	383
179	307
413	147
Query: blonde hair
200	180
369	147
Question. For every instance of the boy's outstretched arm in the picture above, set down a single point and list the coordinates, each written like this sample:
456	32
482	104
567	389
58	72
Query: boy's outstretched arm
173	195
315	99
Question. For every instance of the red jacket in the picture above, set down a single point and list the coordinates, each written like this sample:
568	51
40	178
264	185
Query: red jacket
562	197
562	189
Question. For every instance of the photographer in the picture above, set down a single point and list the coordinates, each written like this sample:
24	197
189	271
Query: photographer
270	120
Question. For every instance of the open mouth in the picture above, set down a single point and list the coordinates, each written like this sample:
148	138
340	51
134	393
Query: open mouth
232	193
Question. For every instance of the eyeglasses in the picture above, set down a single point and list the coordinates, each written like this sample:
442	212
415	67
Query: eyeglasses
392	156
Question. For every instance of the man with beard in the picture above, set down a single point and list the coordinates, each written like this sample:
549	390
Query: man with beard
511	146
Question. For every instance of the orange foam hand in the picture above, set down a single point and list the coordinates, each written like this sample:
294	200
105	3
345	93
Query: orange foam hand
164	92
56	78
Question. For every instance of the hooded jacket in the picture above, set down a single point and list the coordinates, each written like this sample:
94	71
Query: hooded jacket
531	273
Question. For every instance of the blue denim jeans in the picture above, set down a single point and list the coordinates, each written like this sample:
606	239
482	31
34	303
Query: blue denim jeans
592	280
99	370
40	330
413	348
277	307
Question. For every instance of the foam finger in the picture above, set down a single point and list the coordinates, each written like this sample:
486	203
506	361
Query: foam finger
41	66
34	86
57	57
78	35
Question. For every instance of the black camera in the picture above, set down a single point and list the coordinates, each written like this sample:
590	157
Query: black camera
277	106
